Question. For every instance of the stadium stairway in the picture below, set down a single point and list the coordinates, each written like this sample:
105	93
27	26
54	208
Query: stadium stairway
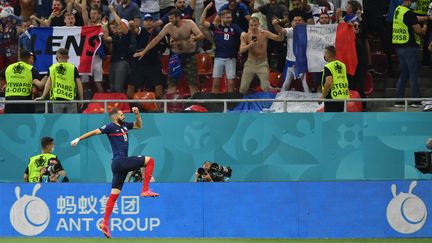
385	87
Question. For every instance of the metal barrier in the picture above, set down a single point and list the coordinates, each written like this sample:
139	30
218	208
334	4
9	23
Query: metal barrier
224	101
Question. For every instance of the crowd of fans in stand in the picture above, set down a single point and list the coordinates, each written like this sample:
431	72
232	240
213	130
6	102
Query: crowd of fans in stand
247	39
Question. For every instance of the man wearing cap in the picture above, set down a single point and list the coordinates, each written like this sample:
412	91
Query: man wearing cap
146	72
63	84
184	36
20	77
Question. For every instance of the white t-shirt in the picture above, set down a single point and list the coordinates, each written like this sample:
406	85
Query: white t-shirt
166	3
219	3
317	10
150	6
290	50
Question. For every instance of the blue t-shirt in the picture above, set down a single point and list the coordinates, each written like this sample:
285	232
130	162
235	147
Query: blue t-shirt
118	137
238	14
227	39
186	13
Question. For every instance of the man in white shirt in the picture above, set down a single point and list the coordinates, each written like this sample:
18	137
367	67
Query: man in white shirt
289	71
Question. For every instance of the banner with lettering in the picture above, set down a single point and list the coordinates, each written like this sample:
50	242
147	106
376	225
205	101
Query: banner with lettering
344	209
82	43
310	41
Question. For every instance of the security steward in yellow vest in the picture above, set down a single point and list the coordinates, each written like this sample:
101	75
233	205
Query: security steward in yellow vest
334	82
20	78
422	10
405	38
38	165
63	84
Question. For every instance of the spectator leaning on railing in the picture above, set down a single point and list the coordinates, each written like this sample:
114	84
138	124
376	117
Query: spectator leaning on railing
20	78
63	84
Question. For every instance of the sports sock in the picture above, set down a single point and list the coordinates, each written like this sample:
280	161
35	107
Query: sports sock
109	207
148	173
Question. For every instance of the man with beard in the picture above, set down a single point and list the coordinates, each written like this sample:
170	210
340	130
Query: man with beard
240	12
186	12
184	35
227	39
117	132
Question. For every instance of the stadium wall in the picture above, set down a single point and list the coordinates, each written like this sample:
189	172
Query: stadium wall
259	147
354	209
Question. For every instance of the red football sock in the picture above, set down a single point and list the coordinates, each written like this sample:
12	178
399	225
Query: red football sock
148	173
109	207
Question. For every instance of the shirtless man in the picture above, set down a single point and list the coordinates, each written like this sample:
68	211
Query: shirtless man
255	42
184	35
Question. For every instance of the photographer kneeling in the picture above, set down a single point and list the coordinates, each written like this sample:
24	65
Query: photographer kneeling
45	167
212	172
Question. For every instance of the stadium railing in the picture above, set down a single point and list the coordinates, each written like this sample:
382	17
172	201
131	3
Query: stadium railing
225	102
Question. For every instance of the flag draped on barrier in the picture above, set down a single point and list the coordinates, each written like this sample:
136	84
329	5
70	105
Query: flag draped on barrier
311	40
82	43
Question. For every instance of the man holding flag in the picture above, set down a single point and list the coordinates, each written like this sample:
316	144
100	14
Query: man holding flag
334	82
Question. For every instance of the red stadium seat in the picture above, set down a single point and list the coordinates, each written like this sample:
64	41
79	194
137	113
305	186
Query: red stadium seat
164	63
275	79
146	96
204	64
368	85
354	106
94	108
106	63
174	106
351	106
183	87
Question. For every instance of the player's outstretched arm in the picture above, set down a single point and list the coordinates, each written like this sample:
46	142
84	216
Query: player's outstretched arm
138	121
85	135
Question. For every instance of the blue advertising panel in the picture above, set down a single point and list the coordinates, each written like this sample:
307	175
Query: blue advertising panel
357	209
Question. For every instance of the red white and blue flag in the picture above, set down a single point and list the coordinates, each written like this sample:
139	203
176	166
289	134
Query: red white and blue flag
82	43
310	41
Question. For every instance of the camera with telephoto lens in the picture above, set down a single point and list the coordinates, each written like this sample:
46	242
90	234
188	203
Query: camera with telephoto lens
217	172
136	176
53	168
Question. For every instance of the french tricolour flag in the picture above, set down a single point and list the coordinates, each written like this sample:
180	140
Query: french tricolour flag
82	43
310	41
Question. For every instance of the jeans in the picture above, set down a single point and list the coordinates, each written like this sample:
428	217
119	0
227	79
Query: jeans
408	71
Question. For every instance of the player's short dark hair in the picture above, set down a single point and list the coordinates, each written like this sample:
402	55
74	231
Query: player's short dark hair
175	12
331	50
113	111
45	141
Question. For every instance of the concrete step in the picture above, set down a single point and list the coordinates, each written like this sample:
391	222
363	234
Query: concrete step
424	92
394	109
423	82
